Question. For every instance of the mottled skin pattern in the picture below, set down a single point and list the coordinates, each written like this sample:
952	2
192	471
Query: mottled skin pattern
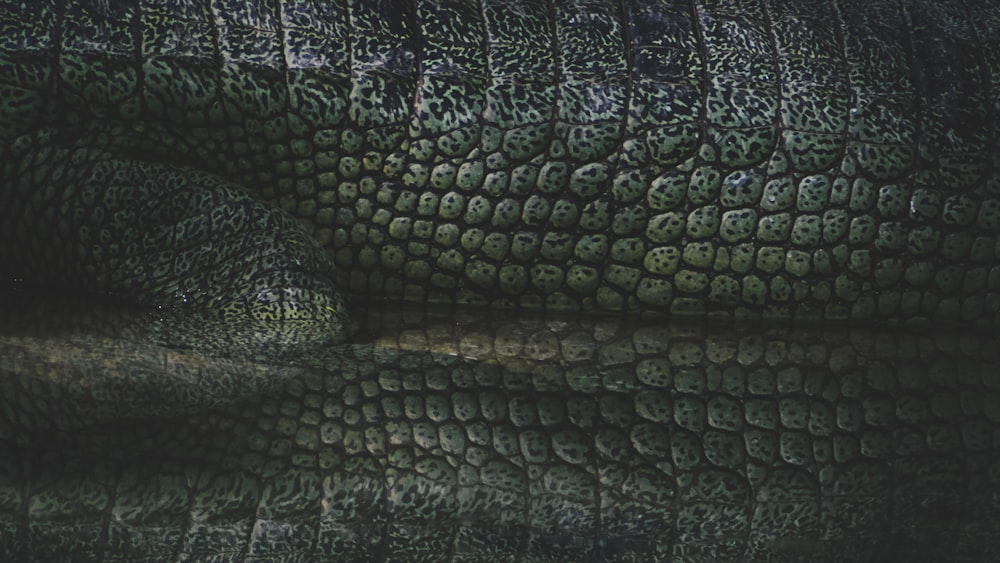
806	160
459	438
796	160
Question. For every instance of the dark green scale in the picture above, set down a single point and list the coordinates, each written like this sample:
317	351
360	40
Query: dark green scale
836	158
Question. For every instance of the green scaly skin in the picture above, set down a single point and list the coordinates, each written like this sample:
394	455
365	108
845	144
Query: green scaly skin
823	161
813	161
459	438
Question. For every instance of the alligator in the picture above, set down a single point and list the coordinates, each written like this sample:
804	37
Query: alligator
245	171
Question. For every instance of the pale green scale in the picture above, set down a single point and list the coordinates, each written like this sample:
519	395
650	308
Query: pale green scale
546	278
553	177
496	183
774	228
892	201
807	231
737	225
666	227
525	245
754	290
662	260
798	263
770	259
655	445
589	180
626	221
623	277
860	262
564	214
724	290
741	188
596	215
690	281
705	185
892	235
863	195
741	257
835	224
472	239
667	191
513	278
924	240
581	278
478	210
670	145
628	250
862	231
506	214
496	246
654	292
699	254
592	249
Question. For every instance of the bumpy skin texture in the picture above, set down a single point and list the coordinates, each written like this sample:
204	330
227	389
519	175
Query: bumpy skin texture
464	439
808	160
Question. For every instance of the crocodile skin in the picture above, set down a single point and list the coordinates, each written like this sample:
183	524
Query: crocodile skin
459	438
229	166
782	159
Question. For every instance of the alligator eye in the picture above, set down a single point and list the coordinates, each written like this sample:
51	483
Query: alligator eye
183	242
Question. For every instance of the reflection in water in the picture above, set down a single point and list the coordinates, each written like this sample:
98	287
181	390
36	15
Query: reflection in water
464	437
